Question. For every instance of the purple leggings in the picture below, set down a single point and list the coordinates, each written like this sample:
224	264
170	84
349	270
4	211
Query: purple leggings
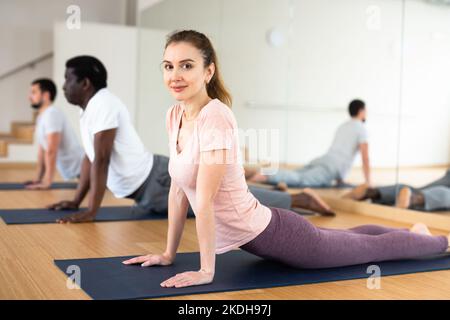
291	239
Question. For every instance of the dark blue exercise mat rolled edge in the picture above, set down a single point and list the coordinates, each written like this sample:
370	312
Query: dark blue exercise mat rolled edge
395	267
13	186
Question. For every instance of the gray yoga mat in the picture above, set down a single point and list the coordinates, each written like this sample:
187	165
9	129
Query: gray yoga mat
108	278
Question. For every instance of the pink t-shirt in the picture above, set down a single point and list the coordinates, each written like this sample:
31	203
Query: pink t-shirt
239	216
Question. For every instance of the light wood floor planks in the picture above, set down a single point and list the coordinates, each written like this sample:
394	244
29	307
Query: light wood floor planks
27	253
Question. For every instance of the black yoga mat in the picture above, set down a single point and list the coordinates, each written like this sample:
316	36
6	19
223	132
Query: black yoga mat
31	216
108	278
20	186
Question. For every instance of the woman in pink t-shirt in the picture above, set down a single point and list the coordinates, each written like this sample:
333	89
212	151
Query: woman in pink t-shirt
206	174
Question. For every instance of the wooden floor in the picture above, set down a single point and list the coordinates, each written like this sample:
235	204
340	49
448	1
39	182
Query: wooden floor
27	253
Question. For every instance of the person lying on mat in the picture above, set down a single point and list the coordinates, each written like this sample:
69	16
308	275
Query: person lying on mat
116	157
334	166
58	146
432	197
207	174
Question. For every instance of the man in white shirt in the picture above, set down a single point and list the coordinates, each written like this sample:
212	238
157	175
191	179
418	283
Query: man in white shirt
115	156
117	159
350	138
57	143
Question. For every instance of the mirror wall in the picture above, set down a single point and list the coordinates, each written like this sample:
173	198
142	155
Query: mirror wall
424	153
293	67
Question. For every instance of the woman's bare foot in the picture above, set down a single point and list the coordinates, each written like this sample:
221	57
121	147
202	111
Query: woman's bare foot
310	200
420	228
404	198
359	193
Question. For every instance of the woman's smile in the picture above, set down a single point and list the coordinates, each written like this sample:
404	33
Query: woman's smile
178	88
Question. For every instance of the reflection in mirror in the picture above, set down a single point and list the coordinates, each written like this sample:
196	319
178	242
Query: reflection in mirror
425	121
424	149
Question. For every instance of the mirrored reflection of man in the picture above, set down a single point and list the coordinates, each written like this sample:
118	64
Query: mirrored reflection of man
350	138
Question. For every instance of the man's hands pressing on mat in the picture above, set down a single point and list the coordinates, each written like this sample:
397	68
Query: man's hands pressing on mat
84	216
64	205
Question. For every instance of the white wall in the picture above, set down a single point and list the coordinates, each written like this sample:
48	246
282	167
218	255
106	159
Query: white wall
333	53
115	46
26	32
153	98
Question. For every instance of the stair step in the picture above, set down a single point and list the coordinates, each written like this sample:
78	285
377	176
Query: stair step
23	130
3	148
5	135
6	142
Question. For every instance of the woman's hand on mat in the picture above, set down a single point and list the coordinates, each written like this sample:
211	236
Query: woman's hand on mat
189	278
83	216
151	260
64	205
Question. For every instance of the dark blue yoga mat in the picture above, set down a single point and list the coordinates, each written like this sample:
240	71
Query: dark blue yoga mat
20	186
108	278
31	216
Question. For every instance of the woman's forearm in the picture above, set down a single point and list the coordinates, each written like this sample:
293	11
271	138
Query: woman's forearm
178	207
206	233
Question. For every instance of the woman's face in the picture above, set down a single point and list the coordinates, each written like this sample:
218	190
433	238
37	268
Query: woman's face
184	72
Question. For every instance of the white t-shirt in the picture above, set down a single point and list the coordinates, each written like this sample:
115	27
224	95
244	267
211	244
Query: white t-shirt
70	153
345	146
130	162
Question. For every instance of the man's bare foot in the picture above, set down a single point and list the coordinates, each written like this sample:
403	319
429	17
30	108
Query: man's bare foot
310	200
359	193
420	228
281	186
404	198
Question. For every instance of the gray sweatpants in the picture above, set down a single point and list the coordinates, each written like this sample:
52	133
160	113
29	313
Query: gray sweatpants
312	175
436	194
153	194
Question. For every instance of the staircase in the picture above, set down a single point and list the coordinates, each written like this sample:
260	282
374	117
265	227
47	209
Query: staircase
21	133
20	137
